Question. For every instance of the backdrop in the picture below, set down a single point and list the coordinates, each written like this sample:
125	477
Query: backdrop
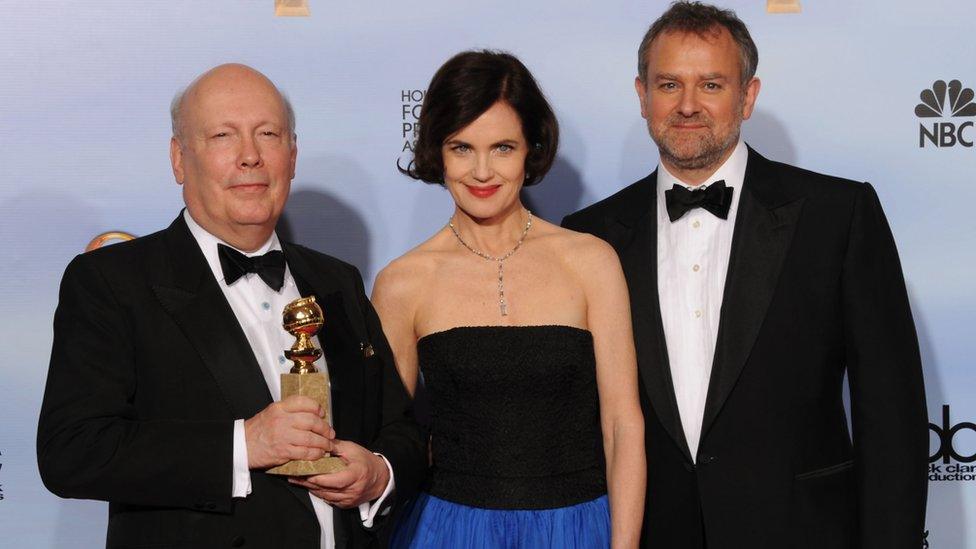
849	88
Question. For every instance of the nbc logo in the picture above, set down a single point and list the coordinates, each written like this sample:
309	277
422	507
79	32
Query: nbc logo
945	101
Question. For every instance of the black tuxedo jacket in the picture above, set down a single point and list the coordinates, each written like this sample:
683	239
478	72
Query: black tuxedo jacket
149	370
814	289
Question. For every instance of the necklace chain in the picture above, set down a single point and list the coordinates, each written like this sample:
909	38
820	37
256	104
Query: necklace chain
502	304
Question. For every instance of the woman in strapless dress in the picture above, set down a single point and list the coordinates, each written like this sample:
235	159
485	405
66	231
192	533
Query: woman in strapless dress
521	330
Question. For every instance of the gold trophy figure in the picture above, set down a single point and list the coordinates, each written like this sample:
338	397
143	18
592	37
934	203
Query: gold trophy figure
302	318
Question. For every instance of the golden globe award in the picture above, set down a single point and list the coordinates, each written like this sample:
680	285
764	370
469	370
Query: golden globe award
302	318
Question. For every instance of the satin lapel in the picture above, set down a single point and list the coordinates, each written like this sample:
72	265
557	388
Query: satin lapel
764	230
193	299
636	244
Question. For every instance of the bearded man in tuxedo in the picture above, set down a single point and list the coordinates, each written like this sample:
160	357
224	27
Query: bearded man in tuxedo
754	287
164	375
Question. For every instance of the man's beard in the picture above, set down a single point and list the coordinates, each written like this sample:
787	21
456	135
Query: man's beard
706	151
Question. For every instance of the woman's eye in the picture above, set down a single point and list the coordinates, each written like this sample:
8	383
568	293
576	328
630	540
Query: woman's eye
505	148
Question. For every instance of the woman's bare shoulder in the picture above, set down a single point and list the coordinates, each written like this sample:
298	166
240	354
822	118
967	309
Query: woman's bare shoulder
406	274
579	248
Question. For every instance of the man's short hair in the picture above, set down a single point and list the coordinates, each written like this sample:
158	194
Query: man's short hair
176	106
701	19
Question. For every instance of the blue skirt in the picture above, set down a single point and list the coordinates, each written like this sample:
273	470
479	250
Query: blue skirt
434	523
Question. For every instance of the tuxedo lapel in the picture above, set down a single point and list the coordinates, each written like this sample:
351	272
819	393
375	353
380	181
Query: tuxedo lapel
765	223
190	294
634	235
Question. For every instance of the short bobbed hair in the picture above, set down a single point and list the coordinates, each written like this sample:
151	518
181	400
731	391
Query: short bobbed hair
466	86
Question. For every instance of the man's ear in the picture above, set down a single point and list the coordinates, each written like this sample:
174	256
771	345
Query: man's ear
294	153
749	100
176	159
642	97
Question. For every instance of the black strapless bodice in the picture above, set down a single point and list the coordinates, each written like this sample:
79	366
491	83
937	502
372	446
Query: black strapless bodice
515	418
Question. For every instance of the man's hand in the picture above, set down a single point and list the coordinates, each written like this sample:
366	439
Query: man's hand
364	478
287	430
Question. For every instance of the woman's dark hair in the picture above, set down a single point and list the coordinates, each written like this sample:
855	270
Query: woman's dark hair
462	90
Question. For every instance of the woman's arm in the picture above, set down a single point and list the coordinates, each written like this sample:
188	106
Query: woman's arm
608	317
394	298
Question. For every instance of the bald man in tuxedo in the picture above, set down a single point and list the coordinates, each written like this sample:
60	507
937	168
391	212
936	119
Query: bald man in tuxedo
163	390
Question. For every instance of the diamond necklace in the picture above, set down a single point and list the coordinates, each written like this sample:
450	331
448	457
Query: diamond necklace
502	305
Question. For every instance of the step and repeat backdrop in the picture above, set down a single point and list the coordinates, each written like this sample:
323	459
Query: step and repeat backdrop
876	90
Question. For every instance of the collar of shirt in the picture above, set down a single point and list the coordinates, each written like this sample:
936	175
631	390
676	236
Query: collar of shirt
732	171
208	245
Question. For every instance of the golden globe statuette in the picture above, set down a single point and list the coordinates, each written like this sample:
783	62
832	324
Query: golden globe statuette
302	318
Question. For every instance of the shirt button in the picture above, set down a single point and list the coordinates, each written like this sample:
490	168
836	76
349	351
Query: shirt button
695	268
266	306
698	313
696	224
281	359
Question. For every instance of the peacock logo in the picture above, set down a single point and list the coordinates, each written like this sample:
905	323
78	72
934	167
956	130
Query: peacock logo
934	104
942	100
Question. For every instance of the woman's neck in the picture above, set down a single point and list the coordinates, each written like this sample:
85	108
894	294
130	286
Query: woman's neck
495	235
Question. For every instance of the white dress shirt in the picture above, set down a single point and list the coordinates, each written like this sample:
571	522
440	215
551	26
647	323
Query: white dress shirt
692	263
258	310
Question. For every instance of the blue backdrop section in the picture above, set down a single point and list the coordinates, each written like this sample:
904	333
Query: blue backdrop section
84	129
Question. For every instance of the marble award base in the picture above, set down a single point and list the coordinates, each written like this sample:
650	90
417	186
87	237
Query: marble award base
316	386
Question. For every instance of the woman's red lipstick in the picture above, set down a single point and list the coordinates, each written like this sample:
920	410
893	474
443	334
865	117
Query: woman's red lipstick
483	192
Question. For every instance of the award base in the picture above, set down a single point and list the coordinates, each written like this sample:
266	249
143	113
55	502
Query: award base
313	385
302	468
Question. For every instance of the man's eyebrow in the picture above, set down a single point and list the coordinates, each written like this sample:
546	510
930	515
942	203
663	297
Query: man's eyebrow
706	76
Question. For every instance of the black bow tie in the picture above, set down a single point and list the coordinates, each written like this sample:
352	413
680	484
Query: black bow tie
270	266
716	198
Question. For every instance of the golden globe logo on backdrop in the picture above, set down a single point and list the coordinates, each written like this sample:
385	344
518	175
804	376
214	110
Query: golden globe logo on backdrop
942	100
291	8
111	236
